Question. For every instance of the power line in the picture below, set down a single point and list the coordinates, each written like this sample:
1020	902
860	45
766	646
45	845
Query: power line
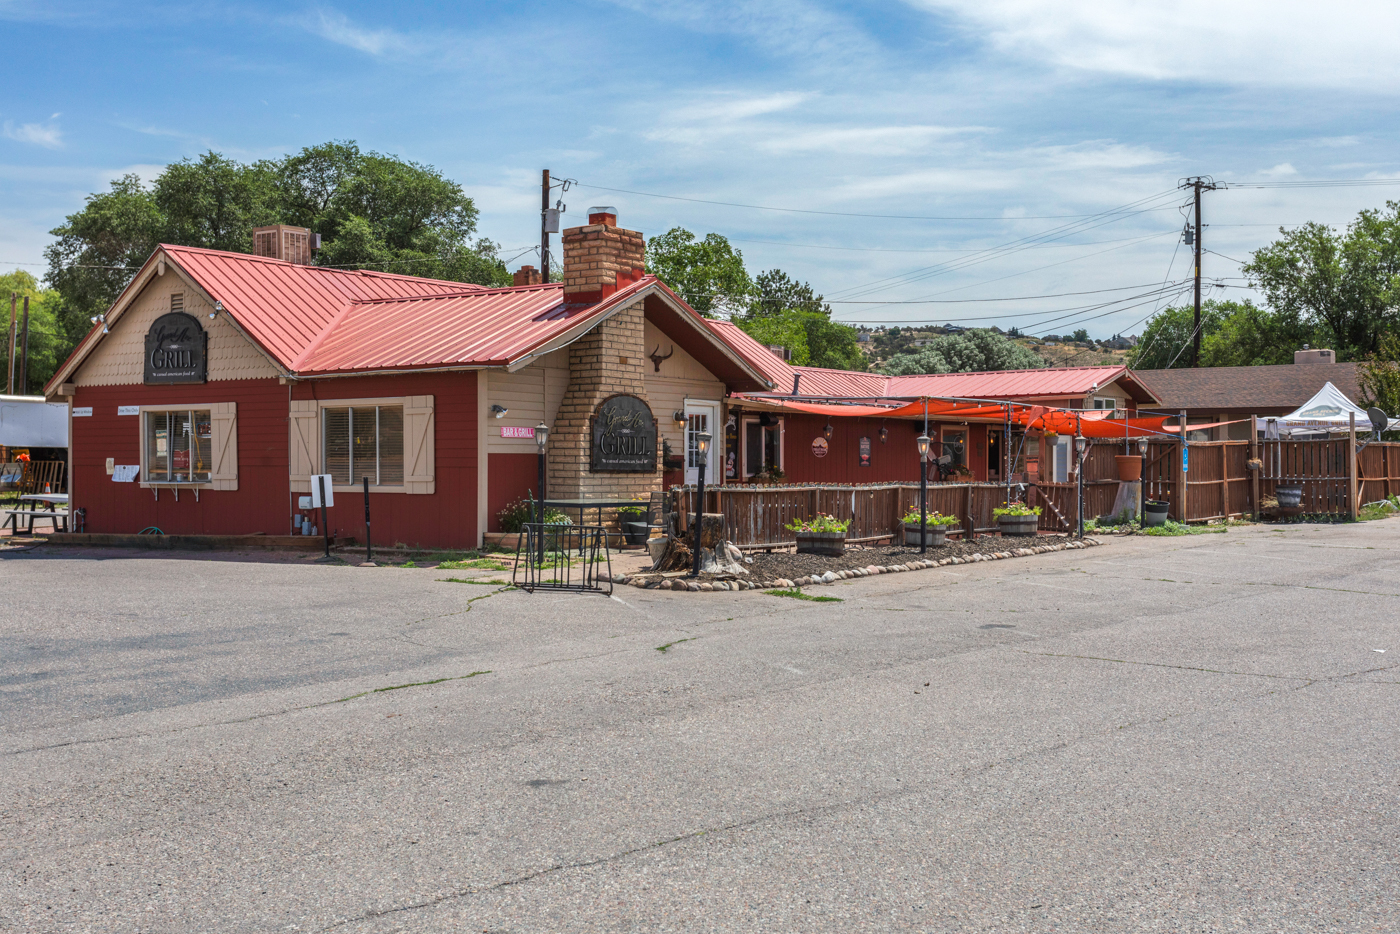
763	207
1319	183
1016	298
857	249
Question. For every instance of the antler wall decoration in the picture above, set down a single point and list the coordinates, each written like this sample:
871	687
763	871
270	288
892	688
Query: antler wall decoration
656	356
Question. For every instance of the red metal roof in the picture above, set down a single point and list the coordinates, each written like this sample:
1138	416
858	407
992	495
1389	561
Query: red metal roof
286	306
1000	384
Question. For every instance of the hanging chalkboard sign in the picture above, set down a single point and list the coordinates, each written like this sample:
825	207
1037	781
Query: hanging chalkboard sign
176	350
623	436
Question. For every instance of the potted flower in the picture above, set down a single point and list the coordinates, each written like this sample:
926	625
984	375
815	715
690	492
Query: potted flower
937	534
821	535
769	475
1017	519
633	520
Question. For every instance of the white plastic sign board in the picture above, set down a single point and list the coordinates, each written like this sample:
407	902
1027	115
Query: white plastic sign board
82	411
125	473
316	486
303	502
128	410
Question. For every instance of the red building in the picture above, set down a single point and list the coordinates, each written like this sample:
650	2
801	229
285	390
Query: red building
218	384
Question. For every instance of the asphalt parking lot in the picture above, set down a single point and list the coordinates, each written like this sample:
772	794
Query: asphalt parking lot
1188	734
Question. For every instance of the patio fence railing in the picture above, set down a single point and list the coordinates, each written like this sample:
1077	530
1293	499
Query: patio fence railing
1201	481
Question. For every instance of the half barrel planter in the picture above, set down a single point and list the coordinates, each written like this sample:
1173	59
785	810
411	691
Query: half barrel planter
1018	525
935	537
831	544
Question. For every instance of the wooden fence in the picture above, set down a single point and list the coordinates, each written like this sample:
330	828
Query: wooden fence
1203	481
757	517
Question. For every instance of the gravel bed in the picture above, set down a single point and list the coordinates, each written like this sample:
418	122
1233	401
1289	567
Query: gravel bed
788	569
791	565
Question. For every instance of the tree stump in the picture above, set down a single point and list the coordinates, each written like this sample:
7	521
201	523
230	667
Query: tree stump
679	554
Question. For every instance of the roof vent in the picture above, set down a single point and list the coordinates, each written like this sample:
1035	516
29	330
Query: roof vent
290	244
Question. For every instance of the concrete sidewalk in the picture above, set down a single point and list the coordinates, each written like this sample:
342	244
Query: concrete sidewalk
1188	734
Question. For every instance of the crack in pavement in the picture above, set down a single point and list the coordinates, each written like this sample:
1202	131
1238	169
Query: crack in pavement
1306	679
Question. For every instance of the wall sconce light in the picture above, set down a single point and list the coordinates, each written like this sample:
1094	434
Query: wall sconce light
678	416
100	319
218	309
499	411
828	430
884	434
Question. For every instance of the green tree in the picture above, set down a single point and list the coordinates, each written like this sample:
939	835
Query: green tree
1081	336
709	274
1342	286
1379	376
1166	341
775	291
971	351
48	342
394	215
1232	334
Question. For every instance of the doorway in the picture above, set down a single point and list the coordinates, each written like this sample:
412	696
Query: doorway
703	416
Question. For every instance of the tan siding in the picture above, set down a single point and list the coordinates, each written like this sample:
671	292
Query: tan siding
532	395
117	361
667	396
680	365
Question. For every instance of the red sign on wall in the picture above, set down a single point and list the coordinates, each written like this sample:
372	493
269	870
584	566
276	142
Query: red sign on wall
865	452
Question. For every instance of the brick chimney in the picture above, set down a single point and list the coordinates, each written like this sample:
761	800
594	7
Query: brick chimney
293	244
601	258
527	275
1308	355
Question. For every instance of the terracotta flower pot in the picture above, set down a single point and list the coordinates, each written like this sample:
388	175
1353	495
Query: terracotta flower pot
1129	467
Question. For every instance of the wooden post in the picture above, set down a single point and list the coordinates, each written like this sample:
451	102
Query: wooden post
1352	493
1182	470
967	515
1254	454
1225	479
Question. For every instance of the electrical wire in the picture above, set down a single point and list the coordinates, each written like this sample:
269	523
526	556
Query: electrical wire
762	207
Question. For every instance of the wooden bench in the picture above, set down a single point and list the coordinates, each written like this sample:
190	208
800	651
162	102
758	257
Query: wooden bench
55	517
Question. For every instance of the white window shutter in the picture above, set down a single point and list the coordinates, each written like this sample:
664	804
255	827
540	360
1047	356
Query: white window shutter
224	422
418	455
304	444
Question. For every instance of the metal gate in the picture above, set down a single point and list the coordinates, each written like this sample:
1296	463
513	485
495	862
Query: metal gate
562	557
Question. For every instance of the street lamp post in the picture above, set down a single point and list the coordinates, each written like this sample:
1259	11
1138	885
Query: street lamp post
541	438
702	456
1142	482
1080	443
923	441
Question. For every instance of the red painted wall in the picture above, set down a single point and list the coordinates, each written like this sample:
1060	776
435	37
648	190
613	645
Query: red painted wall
510	477
258	505
445	519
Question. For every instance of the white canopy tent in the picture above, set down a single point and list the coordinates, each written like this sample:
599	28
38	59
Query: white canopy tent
30	422
1328	410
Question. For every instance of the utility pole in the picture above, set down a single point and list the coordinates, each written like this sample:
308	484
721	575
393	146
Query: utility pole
544	227
1197	183
24	359
10	348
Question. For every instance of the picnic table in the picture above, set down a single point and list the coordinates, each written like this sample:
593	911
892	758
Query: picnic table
52	500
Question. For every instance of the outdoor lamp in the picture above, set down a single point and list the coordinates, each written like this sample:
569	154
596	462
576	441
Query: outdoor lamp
924	441
499	411
1142	445
1080	443
828	430
884	434
702	447
678	416
541	435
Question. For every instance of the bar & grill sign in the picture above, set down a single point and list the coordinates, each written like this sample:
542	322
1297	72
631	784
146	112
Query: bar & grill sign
624	436
176	350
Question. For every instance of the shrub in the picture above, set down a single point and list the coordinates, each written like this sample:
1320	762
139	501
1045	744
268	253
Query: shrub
514	516
820	523
934	518
1015	509
632	513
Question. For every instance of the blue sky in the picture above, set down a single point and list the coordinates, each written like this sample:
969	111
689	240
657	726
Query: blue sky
1016	112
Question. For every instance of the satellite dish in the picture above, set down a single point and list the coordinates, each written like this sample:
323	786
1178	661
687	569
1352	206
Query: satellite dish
1378	418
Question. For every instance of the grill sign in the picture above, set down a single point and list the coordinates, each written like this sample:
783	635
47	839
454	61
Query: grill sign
624	436
176	350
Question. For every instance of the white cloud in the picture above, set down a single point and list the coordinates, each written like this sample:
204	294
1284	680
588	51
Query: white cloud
334	26
47	134
874	140
1347	43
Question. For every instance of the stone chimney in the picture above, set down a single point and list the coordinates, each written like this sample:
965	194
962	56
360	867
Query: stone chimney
293	244
527	275
1313	356
601	258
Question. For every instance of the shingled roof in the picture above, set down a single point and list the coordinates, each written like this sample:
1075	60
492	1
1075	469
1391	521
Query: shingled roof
1247	390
